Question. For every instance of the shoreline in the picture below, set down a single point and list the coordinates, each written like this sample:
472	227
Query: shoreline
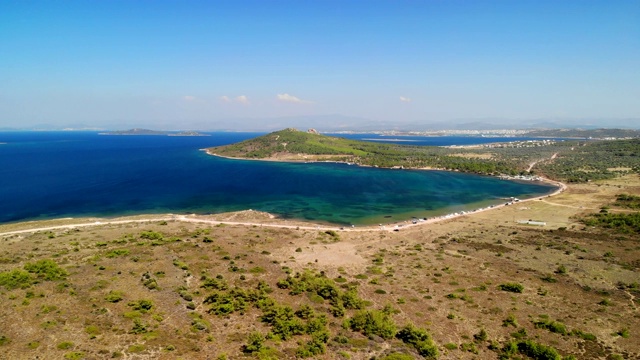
275	221
560	185
279	222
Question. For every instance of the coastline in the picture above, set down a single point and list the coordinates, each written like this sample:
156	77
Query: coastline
274	221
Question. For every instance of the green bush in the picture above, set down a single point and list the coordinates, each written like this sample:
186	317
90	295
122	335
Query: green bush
254	343
114	296
553	326
538	351
584	335
151	235
141	305
398	356
510	321
315	346
15	279
511	287
283	321
624	332
420	340
372	322
350	300
74	355
65	345
4	340
481	336
139	327
117	252
46	269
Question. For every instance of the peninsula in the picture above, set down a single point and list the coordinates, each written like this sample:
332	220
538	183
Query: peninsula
294	145
575	161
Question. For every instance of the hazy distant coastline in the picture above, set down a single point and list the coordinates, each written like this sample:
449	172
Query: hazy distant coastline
147	132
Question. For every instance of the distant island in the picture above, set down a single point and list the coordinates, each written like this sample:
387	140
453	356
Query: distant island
146	132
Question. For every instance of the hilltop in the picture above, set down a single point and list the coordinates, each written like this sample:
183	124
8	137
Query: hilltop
292	144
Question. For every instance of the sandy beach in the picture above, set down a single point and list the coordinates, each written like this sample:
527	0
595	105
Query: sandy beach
272	221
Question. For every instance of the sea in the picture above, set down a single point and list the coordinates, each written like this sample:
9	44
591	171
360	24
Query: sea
46	175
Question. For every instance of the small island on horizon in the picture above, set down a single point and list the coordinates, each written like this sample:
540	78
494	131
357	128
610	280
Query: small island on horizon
146	132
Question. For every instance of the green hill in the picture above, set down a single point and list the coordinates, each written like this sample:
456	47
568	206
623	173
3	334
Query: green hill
292	142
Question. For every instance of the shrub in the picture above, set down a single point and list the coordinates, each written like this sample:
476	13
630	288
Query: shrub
141	305
561	270
583	335
510	321
46	269
481	336
257	270
254	343
605	302
624	332
372	322
511	287
65	345
470	347
117	252
92	330
151	235
138	327
398	356
136	348
553	326
538	351
283	321
74	355
350	300
420	340
15	279
4	340
149	282
114	296
315	346
549	279
520	334
180	264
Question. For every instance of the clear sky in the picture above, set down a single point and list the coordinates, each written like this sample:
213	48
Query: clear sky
212	64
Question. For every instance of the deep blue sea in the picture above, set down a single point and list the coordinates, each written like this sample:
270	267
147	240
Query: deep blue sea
47	175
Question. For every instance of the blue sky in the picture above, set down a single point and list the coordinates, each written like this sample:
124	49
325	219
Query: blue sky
249	64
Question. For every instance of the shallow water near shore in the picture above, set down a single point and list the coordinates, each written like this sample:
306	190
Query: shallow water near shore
72	174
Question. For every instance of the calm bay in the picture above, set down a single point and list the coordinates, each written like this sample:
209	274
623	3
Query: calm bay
47	175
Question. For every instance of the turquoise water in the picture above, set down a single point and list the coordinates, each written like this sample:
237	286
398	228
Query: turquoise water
71	174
